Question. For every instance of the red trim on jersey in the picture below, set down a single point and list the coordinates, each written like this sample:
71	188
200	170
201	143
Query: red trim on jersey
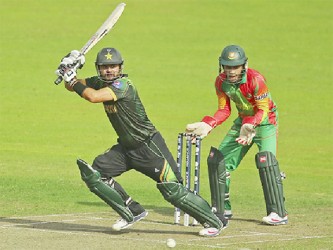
256	93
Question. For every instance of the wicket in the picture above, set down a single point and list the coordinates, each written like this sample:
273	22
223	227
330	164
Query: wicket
188	163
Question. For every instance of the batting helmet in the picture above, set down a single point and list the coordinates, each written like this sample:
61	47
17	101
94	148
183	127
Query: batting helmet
108	56
232	55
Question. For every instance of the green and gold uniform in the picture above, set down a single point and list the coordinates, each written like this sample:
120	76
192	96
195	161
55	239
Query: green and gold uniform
126	112
140	146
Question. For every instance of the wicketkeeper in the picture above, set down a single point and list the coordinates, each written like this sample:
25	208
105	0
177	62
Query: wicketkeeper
257	123
140	146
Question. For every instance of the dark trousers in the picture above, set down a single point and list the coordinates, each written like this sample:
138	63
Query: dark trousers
150	158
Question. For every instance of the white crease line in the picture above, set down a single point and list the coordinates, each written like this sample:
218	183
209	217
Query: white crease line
214	246
290	239
145	222
252	234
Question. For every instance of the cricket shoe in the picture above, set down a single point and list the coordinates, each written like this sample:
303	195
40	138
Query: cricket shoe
275	219
212	231
122	223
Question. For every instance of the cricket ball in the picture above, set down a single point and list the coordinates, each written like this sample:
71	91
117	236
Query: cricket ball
171	243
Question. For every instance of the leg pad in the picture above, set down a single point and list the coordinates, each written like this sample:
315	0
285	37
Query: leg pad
271	182
192	204
108	194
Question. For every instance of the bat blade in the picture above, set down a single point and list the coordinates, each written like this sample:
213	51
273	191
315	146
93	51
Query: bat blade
104	29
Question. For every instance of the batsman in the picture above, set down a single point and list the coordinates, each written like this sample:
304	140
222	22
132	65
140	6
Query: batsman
257	123
140	146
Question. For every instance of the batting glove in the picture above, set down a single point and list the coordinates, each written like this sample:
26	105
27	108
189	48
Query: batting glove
78	58
74	59
68	74
247	132
70	77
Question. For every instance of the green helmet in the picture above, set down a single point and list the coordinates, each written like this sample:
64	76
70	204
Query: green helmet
232	55
108	56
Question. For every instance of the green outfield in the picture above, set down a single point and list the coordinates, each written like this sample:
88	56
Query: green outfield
171	50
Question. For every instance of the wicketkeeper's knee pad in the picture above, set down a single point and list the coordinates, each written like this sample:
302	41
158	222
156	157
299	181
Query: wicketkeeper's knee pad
108	194
192	204
271	182
217	178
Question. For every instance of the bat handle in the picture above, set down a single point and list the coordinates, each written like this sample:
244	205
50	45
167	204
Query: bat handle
58	80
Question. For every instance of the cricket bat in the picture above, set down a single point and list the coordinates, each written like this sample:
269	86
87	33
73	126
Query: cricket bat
101	32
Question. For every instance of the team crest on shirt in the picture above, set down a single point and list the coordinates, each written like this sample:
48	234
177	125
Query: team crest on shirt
117	84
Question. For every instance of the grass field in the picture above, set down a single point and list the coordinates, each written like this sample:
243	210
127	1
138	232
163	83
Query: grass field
171	50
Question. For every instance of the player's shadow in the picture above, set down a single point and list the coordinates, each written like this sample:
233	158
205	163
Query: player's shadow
167	211
92	203
164	211
52	225
69	225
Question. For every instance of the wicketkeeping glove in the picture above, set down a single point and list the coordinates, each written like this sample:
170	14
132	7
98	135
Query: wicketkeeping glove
199	128
247	132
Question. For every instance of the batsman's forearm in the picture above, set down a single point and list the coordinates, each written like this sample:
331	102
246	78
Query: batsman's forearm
79	88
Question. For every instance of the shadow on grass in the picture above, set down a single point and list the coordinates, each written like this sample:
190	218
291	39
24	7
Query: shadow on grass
168	211
92	203
68	226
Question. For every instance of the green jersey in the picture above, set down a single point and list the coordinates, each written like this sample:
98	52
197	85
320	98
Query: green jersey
125	112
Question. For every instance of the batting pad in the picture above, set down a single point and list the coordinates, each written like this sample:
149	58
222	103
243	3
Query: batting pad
192	204
271	182
93	180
